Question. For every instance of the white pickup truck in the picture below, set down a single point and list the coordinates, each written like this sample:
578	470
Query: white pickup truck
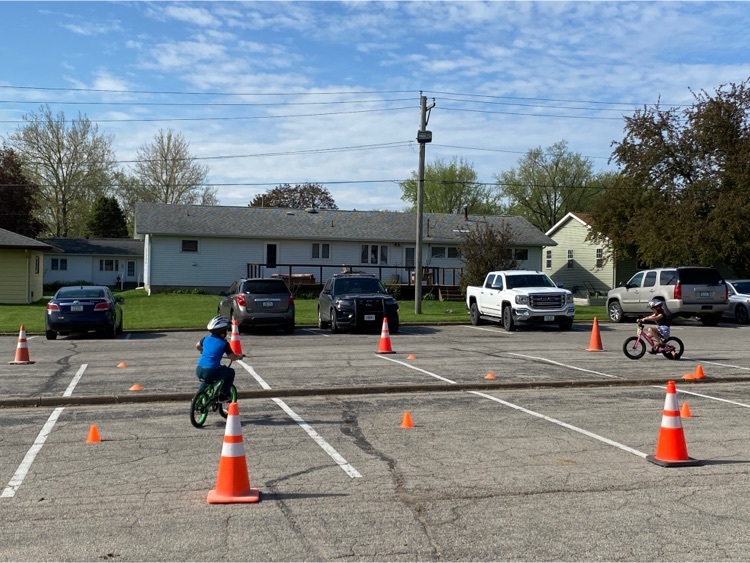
520	296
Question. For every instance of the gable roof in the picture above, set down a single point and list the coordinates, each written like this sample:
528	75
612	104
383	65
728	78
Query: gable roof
320	224
11	240
98	246
583	218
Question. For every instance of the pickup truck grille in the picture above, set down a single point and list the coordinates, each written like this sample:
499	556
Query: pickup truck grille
546	300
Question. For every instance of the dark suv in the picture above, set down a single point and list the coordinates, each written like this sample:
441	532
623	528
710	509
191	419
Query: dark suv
259	302
356	301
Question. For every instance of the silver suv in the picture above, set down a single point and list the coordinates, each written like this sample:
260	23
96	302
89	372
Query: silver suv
688	292
259	302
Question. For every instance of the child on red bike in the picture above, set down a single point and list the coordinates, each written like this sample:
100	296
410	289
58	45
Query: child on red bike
213	347
663	319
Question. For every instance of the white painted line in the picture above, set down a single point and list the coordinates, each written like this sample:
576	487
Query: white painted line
330	450
316	331
28	459
563	365
75	380
415	368
494	330
722	365
561	423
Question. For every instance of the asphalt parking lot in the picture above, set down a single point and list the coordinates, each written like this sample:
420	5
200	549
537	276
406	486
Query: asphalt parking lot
544	462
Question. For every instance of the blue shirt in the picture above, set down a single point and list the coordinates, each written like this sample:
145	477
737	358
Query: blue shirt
214	348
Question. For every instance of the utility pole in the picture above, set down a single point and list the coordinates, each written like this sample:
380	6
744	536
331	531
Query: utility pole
423	137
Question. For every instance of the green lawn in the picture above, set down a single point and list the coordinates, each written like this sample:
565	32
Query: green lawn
173	310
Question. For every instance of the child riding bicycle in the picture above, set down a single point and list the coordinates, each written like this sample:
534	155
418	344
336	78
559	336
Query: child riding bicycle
663	319
213	347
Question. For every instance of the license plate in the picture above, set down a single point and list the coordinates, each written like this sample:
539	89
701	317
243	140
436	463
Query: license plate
268	303
705	294
549	317
369	317
76	308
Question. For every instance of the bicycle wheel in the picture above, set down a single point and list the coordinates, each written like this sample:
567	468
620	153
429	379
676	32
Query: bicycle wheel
199	409
232	399
634	348
673	344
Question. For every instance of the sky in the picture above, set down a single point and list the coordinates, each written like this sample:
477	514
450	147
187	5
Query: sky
269	93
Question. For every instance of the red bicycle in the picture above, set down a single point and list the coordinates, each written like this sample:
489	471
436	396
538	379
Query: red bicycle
635	346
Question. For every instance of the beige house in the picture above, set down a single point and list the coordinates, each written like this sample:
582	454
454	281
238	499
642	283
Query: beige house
588	269
22	272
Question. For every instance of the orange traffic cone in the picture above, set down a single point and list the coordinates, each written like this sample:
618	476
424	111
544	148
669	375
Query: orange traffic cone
135	387
22	350
699	373
234	341
122	365
385	339
406	421
685	411
411	357
595	344
490	376
93	436
671	450
233	481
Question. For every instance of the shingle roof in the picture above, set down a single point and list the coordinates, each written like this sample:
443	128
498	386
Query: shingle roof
97	246
9	239
322	224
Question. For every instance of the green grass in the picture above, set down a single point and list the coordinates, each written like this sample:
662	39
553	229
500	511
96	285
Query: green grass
192	311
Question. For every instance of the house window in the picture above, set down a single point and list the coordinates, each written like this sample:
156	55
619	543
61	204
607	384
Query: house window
131	268
599	258
444	252
522	254
548	263
374	254
36	264
321	251
570	258
59	263
190	246
109	265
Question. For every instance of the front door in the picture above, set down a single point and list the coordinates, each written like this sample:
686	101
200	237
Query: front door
270	256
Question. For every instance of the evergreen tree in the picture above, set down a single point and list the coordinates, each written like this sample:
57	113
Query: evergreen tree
18	197
106	219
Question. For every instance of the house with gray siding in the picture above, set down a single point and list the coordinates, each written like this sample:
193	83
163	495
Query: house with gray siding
188	246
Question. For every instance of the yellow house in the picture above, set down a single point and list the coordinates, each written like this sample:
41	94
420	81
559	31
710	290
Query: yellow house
21	268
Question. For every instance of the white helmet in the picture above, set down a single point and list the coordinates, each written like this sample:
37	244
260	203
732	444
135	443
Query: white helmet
217	324
655	303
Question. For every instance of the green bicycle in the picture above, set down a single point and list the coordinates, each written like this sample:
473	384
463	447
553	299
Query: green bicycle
208	400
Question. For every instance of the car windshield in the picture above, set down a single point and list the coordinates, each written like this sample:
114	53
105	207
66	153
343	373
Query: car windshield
80	293
742	287
358	285
264	287
528	280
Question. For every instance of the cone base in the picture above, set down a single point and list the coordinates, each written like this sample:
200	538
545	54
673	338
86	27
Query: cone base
253	495
594	350
668	463
386	352
21	363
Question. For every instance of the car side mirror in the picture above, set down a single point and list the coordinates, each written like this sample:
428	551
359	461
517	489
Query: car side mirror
119	299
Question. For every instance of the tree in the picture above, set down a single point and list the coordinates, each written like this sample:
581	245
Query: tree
301	196
167	173
449	187
106	219
18	197
484	249
71	162
683	196
548	184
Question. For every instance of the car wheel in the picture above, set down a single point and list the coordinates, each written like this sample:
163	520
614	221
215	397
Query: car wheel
334	325
50	334
119	327
393	326
508	322
566	324
740	314
321	322
710	320
289	328
615	312
475	319
112	330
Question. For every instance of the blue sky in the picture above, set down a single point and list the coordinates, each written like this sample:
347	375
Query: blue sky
275	92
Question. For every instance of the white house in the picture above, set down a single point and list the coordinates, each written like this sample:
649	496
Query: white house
187	246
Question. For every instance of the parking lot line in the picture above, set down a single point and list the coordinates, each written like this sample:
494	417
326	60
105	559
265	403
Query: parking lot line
563	365
328	448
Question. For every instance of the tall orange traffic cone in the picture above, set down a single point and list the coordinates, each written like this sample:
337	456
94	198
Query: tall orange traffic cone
595	344
385	339
671	450
406	421
93	436
22	350
234	341
233	481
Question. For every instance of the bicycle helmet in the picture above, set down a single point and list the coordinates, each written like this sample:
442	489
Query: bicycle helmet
655	303
218	324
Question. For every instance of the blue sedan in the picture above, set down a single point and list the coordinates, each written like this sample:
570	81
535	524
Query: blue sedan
84	308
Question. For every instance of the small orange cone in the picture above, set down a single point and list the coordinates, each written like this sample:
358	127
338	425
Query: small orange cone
385	339
671	449
122	365
22	350
233	481
406	421
136	387
699	373
411	357
685	411
93	436
595	344
234	341
490	376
